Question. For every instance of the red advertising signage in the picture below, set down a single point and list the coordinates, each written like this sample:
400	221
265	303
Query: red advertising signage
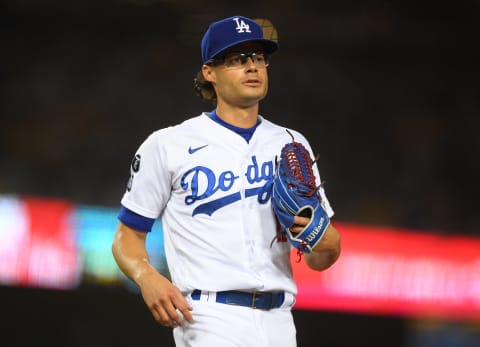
37	244
396	272
380	271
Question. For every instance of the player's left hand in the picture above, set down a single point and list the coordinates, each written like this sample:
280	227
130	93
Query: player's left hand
326	252
299	223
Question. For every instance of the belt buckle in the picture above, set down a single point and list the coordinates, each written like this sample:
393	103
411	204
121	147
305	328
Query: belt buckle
254	296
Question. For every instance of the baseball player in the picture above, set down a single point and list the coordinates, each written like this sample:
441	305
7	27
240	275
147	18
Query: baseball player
209	181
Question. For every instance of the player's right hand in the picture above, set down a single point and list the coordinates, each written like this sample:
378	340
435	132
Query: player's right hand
165	301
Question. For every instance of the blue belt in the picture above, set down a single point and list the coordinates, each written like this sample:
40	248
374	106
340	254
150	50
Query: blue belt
260	300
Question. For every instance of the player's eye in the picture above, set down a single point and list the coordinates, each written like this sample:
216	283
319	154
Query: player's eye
235	60
258	57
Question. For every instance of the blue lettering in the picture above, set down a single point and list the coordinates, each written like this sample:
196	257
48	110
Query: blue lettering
226	181
255	173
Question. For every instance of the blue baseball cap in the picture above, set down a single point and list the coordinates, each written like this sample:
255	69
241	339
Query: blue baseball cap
232	31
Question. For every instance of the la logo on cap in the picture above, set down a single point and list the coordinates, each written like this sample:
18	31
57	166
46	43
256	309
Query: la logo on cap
232	31
242	27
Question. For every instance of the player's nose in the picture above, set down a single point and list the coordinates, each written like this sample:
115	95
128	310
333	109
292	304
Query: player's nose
250	64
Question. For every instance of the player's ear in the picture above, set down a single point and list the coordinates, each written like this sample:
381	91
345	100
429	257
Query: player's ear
208	73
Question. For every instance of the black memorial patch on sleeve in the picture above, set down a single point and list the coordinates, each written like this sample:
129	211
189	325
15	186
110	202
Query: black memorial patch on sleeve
136	163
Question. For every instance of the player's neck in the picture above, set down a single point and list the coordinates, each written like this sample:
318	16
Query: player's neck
239	117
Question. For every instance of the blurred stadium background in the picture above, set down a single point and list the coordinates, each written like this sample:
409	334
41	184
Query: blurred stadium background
387	92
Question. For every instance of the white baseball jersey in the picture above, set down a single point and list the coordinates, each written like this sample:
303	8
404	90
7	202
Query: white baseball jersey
211	190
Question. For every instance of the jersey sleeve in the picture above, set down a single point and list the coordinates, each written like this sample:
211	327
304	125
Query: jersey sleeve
149	186
135	220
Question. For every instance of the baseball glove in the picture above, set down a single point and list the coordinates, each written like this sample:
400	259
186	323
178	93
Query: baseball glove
295	193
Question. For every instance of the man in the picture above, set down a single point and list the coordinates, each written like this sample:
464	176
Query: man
209	180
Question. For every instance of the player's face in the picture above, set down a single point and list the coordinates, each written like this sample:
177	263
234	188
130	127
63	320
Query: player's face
240	77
